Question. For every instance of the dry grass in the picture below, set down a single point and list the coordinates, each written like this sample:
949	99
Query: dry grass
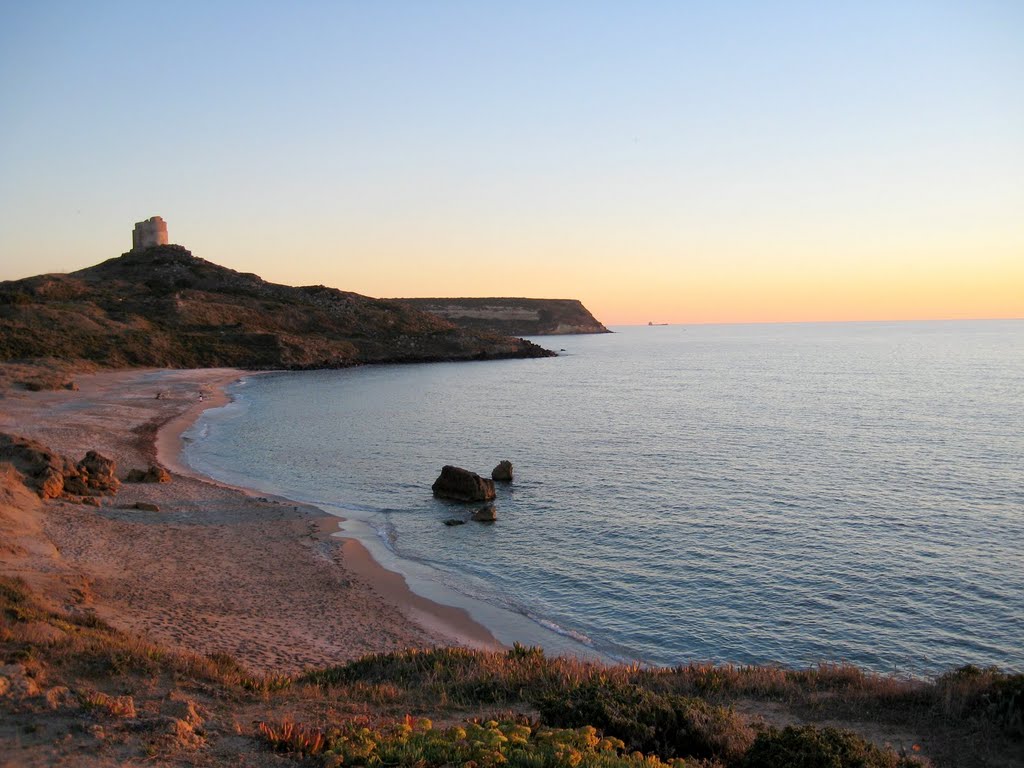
968	717
41	375
88	647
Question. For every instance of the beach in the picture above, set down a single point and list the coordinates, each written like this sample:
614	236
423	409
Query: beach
205	631
217	569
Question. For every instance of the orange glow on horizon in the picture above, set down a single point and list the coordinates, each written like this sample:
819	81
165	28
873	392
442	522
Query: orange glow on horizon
822	298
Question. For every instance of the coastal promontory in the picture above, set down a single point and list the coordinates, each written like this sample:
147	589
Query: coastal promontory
513	316
161	306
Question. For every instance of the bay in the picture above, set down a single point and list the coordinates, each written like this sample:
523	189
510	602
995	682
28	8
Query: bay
792	493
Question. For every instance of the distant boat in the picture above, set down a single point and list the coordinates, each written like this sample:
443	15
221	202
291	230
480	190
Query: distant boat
653	323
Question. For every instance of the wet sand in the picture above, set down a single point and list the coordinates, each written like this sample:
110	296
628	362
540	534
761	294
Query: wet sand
217	568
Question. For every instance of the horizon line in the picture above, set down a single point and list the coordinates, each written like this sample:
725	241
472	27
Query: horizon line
822	322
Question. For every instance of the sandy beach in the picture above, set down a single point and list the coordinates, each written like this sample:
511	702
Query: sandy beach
216	569
224	573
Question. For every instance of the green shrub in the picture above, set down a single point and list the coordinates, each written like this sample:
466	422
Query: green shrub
1004	703
520	651
809	747
508	744
664	724
464	676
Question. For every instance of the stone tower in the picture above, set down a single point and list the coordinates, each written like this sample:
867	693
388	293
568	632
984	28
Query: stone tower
149	233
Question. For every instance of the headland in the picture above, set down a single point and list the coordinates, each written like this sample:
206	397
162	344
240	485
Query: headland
513	316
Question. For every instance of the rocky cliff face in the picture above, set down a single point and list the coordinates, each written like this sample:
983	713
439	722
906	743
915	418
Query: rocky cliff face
165	307
513	317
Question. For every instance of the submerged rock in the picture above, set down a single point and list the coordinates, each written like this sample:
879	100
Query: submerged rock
503	472
454	521
146	506
462	485
485	514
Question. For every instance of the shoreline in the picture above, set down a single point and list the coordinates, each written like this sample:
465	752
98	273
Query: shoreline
439	609
272	602
450	622
203	573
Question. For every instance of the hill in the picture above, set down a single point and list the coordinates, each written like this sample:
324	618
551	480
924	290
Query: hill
514	317
165	307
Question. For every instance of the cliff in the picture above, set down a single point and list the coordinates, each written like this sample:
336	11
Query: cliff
165	307
513	317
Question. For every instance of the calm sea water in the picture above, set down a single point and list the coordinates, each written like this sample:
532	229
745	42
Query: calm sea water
753	494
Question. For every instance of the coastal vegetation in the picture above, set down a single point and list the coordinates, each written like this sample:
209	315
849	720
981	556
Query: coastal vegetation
70	679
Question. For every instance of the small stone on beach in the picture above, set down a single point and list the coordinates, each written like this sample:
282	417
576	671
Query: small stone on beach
154	474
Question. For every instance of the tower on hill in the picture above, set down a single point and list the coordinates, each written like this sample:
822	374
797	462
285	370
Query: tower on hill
152	231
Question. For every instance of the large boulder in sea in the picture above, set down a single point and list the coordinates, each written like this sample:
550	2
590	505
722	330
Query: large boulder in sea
503	472
462	485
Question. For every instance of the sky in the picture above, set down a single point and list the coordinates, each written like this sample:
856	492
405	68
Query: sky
675	162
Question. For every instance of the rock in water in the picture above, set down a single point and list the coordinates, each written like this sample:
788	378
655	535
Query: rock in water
485	514
454	521
503	472
462	485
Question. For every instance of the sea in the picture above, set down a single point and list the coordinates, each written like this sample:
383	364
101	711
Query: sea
790	494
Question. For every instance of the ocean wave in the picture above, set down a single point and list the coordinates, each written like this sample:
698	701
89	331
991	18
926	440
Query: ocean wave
558	629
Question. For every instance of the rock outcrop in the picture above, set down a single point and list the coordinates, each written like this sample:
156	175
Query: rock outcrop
503	472
154	474
41	469
95	476
462	485
52	475
513	317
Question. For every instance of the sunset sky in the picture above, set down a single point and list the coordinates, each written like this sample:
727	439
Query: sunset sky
667	161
